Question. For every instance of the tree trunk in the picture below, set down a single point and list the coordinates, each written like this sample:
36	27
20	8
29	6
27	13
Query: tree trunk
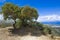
14	25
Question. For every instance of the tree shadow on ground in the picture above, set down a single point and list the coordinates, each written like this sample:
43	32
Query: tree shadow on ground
23	31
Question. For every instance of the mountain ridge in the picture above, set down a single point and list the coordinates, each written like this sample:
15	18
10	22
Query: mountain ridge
57	23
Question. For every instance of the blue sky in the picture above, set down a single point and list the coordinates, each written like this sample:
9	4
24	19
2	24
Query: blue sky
47	9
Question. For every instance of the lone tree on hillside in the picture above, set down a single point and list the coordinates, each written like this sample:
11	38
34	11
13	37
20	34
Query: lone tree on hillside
25	14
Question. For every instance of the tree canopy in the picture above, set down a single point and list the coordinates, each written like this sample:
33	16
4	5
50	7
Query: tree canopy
10	11
24	14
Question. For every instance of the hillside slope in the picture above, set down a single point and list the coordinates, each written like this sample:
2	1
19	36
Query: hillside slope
5	35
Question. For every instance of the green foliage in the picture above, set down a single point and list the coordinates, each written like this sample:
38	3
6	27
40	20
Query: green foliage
39	24
10	11
28	13
47	29
18	24
24	14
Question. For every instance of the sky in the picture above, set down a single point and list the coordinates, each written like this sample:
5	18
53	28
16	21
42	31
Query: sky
48	10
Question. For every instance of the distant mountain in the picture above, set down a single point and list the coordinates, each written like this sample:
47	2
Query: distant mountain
57	23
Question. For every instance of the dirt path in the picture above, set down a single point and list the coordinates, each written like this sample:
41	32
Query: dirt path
35	38
4	35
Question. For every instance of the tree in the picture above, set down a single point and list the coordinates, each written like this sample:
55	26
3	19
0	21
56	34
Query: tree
11	11
25	14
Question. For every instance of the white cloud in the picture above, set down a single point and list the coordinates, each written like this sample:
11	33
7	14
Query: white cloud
48	18
2	0
45	18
